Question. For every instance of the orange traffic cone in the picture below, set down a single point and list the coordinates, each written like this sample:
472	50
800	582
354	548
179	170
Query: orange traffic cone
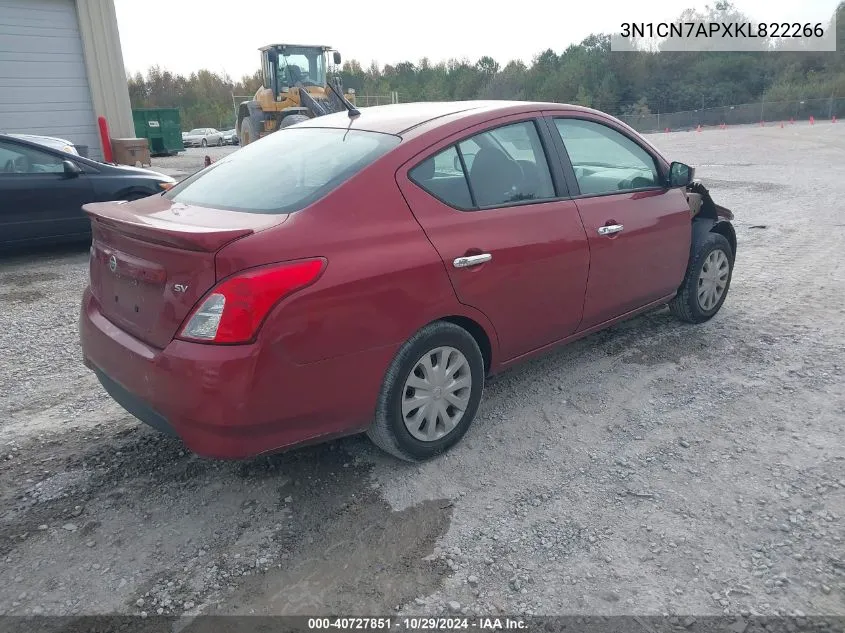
781	125
762	123
698	129
833	120
812	120
791	121
666	130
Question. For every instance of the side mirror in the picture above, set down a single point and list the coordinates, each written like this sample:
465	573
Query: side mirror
680	175
336	58
71	169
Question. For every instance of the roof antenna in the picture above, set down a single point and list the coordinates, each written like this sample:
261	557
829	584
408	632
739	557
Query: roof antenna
350	109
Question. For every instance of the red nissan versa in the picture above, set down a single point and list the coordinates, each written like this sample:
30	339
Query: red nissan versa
366	273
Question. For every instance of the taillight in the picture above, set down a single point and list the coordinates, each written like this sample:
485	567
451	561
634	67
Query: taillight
234	309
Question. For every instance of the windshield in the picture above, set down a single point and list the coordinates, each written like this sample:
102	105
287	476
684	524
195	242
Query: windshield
300	65
285	171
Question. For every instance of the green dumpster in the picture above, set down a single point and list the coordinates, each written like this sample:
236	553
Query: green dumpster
161	127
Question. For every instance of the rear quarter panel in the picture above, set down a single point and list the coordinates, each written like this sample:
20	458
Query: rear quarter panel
383	281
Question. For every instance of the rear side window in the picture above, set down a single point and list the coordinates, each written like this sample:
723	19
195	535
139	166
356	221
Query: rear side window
508	165
499	167
285	171
443	177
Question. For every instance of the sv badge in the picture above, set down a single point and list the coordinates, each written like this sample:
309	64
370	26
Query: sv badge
180	288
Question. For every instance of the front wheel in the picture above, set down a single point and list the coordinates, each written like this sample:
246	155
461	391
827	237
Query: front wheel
292	119
430	393
707	281
204	143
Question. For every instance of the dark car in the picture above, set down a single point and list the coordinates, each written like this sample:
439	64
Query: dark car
42	191
367	273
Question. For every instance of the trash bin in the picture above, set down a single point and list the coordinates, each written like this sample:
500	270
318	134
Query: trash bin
161	127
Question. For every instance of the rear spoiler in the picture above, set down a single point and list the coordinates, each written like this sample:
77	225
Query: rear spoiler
115	216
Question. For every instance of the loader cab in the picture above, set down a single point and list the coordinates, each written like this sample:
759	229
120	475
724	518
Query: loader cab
285	66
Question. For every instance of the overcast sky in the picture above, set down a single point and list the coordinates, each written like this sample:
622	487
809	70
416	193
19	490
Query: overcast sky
187	35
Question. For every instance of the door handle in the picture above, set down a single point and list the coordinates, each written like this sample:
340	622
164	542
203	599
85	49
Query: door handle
610	229
472	260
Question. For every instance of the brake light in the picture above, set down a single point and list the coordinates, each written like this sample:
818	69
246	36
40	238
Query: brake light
235	309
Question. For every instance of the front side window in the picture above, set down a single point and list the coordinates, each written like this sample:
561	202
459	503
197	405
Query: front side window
503	166
604	160
19	159
285	171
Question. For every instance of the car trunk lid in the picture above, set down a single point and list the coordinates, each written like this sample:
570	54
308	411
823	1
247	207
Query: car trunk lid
152	260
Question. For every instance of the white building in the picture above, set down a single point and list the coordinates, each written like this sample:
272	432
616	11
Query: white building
61	66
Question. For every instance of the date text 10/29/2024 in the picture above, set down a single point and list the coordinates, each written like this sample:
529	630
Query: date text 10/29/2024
418	624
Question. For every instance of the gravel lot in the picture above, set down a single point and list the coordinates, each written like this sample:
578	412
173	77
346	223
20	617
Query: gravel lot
190	161
653	468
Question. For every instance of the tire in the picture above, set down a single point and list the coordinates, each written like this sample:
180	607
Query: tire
292	119
135	195
389	431
203	143
248	132
688	305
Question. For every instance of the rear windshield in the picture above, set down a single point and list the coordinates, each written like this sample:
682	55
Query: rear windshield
283	172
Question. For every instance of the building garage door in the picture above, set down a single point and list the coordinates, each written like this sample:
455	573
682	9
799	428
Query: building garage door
43	81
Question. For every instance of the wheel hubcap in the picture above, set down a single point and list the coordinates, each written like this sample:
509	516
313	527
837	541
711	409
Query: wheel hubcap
436	394
713	279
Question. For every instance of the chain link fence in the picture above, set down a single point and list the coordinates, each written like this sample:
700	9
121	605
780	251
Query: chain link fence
746	113
365	101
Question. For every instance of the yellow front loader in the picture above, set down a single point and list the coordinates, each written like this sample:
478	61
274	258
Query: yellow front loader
295	88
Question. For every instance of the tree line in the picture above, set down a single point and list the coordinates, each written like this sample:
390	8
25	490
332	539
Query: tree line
588	73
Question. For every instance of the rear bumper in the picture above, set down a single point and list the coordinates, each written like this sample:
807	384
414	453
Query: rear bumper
231	402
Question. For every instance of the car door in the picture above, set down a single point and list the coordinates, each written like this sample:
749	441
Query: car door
508	234
37	198
638	228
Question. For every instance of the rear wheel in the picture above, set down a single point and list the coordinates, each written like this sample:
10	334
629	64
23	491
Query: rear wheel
707	281
430	394
248	132
204	143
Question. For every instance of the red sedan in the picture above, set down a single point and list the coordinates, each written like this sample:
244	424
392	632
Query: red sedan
366	273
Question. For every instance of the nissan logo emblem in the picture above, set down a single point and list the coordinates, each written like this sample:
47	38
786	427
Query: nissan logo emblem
112	263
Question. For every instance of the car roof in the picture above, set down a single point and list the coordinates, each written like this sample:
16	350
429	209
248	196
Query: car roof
402	118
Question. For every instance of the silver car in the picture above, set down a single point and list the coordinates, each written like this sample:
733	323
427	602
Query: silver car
63	145
202	137
230	137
